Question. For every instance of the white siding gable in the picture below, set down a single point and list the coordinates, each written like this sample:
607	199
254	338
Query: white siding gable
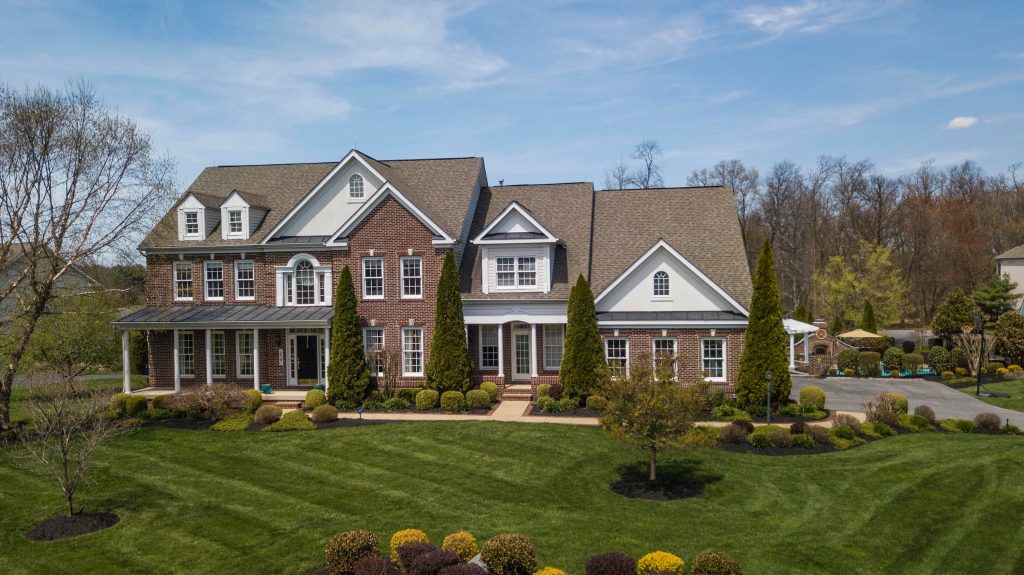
323	213
514	222
251	217
192	205
1015	269
542	253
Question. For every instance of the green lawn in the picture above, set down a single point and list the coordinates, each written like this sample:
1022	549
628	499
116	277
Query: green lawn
202	502
20	392
1013	387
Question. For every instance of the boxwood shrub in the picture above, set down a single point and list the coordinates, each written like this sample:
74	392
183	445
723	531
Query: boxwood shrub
402	537
867	364
957	425
426	399
613	563
715	563
939	360
892	359
135	405
325	413
847	359
544	390
314	398
813	396
912	362
238	421
759	439
478	399
253	400
161	401
555	391
491	388
597	403
267	414
396	404
452	401
372	565
802	440
509	554
344	550
291	421
462	544
408	394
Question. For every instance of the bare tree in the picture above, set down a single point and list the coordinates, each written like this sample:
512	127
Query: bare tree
745	184
78	181
68	426
648	152
617	178
388	362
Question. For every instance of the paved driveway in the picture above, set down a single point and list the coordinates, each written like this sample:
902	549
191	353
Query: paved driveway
849	394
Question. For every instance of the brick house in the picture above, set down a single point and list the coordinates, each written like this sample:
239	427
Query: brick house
241	271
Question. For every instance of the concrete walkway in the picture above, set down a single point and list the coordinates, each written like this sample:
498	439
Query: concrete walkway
507	410
849	394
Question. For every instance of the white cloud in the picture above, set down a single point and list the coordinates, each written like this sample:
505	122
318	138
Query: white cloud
961	122
809	15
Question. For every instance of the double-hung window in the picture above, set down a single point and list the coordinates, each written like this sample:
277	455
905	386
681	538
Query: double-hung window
554	339
214	280
235	222
192	224
412	351
665	352
373	278
488	347
183	281
186	354
245	362
712	359
515	272
373	348
245	280
616	353
412	277
217	353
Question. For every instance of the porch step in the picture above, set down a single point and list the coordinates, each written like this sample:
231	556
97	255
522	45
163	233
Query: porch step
517	392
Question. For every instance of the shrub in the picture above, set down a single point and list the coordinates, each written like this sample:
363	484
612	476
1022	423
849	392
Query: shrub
891	358
550	571
732	434
267	414
991	367
408	394
802	440
426	399
477	399
925	412
912	362
542	403
238	421
555	391
948	375
726	412
431	562
913	423
210	401
314	398
405	536
568	403
373	405
813	396
325	413
396	404
987	421
960	371
868	364
818	433
843	432
544	390
596	403
292	421
882	429
452	401
660	563
344	550
938	359
613	563
509	554
372	565
252	401
1010	429
846	420
462	544
745	424
464	569
780	438
118	401
894	373
1002	372
491	388
408	552
714	563
162	401
759	439
135	405
1013	368
959	359
896	401
847	359
798	427
957	425
833	371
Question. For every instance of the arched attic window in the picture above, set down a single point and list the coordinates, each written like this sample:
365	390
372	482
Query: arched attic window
661	284
355	187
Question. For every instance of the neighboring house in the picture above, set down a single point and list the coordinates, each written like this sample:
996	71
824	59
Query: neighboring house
242	270
73	280
1011	263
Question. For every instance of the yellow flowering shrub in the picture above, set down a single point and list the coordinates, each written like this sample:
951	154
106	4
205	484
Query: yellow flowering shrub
405	536
462	544
660	562
550	571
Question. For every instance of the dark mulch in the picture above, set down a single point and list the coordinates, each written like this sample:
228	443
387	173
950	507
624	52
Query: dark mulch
197	424
435	411
578	412
676	480
64	526
745	447
354	423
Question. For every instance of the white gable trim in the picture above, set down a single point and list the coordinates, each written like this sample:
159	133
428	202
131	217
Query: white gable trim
234	194
352	155
387	189
684	261
523	212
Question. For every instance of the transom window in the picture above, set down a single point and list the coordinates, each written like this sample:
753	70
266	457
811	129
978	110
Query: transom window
554	338
186	354
243	348
615	353
245	281
355	187
488	347
217	352
712	358
516	272
214	280
665	352
373	348
183	280
192	223
235	221
305	284
412	351
661	284
373	278
412	277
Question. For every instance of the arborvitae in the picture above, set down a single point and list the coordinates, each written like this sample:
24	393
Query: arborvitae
836	327
582	359
764	346
348	374
449	367
867	321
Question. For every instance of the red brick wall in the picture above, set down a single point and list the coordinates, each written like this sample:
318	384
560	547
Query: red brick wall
688	350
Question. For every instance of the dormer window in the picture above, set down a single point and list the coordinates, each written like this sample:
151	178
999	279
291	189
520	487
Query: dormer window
355	187
235	222
661	284
192	224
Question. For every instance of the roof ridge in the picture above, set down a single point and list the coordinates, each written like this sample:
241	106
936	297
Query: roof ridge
268	164
538	185
663	188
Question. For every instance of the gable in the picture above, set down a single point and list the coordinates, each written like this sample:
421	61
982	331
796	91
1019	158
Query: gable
330	203
514	224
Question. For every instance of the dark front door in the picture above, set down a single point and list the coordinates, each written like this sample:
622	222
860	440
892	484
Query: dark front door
308	350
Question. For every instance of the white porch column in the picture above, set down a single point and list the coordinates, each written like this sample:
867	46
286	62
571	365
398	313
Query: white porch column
792	352
807	357
177	365
126	358
501	350
256	359
209	356
533	350
327	357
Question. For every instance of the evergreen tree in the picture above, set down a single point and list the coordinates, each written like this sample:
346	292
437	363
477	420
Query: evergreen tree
955	311
582	359
995	297
348	374
801	314
836	327
449	368
867	321
764	346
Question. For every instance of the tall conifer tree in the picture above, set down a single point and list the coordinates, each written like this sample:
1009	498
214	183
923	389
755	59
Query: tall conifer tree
764	345
449	368
867	322
348	374
582	358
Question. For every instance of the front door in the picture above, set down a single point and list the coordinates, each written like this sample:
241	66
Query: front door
521	354
306	359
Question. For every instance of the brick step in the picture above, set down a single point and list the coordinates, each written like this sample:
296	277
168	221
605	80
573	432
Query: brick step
518	392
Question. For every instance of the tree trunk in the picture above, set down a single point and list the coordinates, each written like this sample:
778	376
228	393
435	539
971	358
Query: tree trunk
654	464
14	360
71	503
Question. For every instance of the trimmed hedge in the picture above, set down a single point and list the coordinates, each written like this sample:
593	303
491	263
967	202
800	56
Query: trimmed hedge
238	421
344	550
544	390
939	360
613	563
813	396
847	359
715	563
462	544
325	413
408	394
431	562
135	405
491	388
267	414
660	563
509	554
402	537
597	403
867	364
118	401
426	399
452	401
912	362
478	399
892	358
161	401
291	421
987	421
314	398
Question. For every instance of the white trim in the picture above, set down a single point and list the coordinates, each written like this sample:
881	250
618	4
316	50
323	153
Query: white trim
327	358
604	344
126	368
514	205
544	345
516	374
725	358
208	341
206	280
422	352
673	323
401	277
383	338
282	279
387	189
177	363
256	359
686	262
224	342
291	356
238	355
533	351
501	350
235	266
191	279
516	316
675	351
362	277
480	346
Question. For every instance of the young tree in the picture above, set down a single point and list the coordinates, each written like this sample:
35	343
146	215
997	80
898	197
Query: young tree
68	426
77	181
582	358
348	374
867	274
996	296
449	368
956	311
867	319
649	408
75	336
764	344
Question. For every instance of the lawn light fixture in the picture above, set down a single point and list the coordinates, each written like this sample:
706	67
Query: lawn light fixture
979	328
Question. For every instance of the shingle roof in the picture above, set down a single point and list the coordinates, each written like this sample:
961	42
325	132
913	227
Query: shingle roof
1012	253
699	223
563	209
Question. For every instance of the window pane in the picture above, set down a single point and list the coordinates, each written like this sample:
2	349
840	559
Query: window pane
217	347
713	358
186	353
665	350
615	354
661	284
412	282
412	351
488	347
191	223
506	272
244	351
214	280
245	285
235	222
183	280
355	186
373	347
553	342
527	272
305	284
373	277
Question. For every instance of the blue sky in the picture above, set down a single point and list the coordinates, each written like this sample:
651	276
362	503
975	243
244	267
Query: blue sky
545	91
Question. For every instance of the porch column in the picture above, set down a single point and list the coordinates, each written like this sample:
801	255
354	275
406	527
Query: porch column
792	352
209	357
256	359
501	350
126	358
807	357
177	365
533	350
327	358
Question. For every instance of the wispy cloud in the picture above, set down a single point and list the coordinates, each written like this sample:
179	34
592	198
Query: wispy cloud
809	15
961	122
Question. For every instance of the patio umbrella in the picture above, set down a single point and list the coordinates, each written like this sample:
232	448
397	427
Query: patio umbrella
859	334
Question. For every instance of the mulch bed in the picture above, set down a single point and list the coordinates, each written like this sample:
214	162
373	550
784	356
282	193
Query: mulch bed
434	411
745	447
173	423
64	526
676	480
578	412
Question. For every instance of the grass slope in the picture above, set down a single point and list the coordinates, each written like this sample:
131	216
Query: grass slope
21	392
204	502
1013	387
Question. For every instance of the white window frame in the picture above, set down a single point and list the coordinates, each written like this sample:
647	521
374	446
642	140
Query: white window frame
675	351
223	355
184	265
625	358
352	181
496	346
246	350
723	359
380	277
407	352
207	282
196	235
403	277
655	287
239	280
186	354
517	271
548	327
321	279
376	370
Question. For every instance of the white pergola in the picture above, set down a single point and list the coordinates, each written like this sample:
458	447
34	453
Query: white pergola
795	328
